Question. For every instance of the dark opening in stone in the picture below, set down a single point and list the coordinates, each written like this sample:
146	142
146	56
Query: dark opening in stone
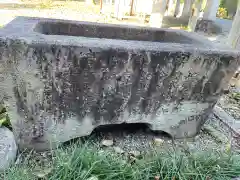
113	32
131	128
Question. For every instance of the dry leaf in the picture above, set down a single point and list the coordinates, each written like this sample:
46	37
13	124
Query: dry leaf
41	173
107	142
118	150
135	153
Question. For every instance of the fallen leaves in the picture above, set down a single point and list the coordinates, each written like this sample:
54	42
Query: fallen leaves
42	173
157	141
135	153
107	142
93	178
118	150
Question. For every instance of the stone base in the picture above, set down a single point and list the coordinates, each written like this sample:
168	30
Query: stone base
207	26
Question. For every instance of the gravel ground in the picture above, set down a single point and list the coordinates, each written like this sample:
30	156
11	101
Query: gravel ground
130	137
140	138
230	105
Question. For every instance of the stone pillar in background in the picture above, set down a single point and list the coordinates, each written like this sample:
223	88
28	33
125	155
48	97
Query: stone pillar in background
158	10
187	8
170	7
234	35
177	8
234	41
211	10
194	15
206	24
119	9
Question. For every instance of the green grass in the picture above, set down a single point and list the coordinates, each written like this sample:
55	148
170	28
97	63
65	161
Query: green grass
235	96
4	119
80	162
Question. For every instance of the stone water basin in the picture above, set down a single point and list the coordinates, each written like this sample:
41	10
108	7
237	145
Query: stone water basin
62	79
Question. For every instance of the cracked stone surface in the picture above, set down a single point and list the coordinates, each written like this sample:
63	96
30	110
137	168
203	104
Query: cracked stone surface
62	79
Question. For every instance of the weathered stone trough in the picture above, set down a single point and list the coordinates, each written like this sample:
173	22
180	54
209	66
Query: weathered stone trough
61	79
